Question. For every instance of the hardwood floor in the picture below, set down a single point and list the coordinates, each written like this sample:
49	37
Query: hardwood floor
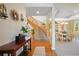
47	46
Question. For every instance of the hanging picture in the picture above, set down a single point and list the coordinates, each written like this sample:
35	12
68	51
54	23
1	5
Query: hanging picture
3	11
14	15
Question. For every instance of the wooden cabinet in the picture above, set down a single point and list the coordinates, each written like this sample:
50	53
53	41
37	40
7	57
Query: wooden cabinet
12	47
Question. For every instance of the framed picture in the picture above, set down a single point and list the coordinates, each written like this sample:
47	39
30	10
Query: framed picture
14	15
3	11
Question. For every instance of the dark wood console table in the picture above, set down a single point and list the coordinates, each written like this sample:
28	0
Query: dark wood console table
12	47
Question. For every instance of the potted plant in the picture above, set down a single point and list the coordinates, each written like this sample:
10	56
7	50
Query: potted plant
25	30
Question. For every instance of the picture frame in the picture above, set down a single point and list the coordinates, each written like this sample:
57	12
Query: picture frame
3	11
14	15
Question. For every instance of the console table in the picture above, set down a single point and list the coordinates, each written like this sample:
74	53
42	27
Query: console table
12	47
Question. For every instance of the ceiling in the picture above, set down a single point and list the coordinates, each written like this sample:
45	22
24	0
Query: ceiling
31	4
66	10
43	11
39	4
31	8
43	8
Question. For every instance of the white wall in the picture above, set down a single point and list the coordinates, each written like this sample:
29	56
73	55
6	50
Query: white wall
8	27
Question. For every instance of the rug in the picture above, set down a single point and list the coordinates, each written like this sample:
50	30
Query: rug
39	51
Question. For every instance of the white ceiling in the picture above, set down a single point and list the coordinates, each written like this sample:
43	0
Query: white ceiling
66	10
31	4
31	8
43	8
39	4
43	11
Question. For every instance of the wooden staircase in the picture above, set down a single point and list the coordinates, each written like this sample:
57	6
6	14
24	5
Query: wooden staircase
38	27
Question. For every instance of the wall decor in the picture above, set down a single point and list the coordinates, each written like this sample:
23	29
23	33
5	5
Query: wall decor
3	11
22	19
14	15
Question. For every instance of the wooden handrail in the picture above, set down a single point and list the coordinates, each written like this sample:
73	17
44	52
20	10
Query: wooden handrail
32	21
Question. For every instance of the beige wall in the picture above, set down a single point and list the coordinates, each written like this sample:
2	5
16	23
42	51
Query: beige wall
8	27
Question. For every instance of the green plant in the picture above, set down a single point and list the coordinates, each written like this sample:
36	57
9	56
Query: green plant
25	30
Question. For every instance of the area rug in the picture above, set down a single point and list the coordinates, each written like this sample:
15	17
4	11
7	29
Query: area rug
39	51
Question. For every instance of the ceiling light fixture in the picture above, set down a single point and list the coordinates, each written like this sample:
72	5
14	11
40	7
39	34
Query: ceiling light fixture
66	22
37	12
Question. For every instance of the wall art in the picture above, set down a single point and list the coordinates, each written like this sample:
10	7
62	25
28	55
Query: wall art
14	15
3	11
